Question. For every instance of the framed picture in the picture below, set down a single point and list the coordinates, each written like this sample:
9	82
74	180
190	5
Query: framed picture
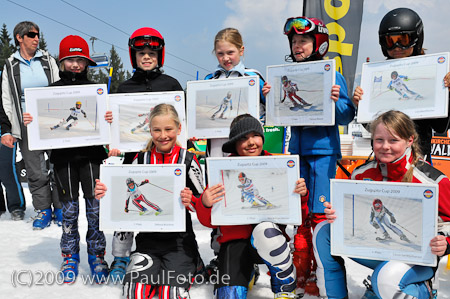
130	130
143	198
67	116
256	189
213	104
384	220
300	94
413	85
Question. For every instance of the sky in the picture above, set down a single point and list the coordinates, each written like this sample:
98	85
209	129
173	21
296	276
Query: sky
189	27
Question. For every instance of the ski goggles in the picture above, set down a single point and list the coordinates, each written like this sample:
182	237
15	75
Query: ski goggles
403	41
299	24
32	34
152	42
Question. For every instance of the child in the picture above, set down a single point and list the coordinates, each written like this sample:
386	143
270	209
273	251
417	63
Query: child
250	194
397	159
318	146
136	195
378	220
147	51
242	246
74	114
168	256
224	105
74	166
290	89
401	35
397	83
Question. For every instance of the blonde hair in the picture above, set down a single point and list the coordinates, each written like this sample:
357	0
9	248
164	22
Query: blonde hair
400	124
230	35
158	110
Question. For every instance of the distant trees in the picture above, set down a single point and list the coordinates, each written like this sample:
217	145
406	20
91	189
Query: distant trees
6	46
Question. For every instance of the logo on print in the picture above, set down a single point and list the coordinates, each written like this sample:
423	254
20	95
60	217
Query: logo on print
100	91
177	172
290	163
251	82
327	67
177	98
441	60
428	193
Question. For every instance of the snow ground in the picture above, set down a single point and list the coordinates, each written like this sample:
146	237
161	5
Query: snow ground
29	261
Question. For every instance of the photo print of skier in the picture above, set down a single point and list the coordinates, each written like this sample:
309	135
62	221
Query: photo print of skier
143	125
74	114
137	197
224	106
290	90
250	194
379	219
397	83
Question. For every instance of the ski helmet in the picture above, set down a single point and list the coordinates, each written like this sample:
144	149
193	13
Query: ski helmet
377	205
242	176
394	73
309	26
74	46
284	79
229	94
406	25
130	181
146	37
78	103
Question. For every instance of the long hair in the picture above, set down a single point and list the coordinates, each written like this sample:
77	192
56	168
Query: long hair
230	35
161	109
400	124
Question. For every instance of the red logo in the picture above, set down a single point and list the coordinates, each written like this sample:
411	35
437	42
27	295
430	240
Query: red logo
290	163
177	98
441	59
251	82
177	172
428	193
327	67
100	91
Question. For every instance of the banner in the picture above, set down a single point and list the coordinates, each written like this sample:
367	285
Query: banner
343	20
440	153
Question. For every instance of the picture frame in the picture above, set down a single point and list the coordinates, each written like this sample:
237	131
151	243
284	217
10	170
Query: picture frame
57	121
410	220
301	94
413	85
210	103
256	189
129	129
157	191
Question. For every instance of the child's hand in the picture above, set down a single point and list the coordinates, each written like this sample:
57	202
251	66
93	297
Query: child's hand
357	96
186	196
329	212
27	118
266	88
99	190
212	195
447	80
109	116
335	92
438	245
114	152
300	187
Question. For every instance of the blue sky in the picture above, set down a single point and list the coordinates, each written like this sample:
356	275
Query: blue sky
189	27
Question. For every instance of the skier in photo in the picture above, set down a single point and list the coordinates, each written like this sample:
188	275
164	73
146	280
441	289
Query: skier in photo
143	124
397	83
226	100
250	194
137	197
378	219
74	114
290	89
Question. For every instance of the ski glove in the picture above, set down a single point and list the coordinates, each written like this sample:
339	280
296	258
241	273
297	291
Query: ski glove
393	219
375	225
126	210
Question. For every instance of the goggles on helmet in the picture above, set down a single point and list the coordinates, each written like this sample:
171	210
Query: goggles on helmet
377	207
140	42
299	25
403	41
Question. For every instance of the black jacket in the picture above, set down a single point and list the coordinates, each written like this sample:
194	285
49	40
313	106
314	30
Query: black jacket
149	81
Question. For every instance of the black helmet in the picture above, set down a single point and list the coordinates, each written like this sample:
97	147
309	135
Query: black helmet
394	73
401	21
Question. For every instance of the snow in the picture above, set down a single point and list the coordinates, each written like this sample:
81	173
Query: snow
30	260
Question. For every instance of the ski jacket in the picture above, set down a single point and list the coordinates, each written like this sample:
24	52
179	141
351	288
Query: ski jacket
149	81
95	153
232	232
156	241
324	140
422	173
11	120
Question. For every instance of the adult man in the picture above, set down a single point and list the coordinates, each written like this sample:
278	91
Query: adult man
28	67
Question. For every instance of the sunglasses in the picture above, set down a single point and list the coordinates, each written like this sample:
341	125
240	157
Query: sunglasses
299	24
403	41
32	34
140	42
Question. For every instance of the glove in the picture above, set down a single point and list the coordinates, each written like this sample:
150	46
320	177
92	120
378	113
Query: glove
375	225
126	210
393	219
391	87
84	115
231	107
406	77
282	101
242	198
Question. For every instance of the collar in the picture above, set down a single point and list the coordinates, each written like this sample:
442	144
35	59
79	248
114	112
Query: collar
239	69
71	76
19	57
396	170
140	74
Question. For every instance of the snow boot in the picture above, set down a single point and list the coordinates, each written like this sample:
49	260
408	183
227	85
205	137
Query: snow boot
369	294
43	219
385	237
254	277
285	295
99	268
119	267
57	217
404	238
69	267
212	269
17	215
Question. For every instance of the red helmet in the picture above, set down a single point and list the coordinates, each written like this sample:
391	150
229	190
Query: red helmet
310	26
242	176
146	37
377	205
74	46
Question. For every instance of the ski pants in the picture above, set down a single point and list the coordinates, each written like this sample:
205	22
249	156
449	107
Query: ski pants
390	279
10	178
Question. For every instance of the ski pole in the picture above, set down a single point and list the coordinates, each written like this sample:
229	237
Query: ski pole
415	236
90	122
159	187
